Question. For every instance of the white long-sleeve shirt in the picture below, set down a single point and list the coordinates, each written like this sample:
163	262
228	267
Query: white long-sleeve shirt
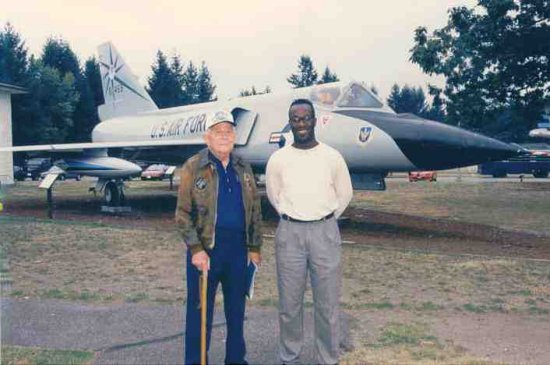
308	184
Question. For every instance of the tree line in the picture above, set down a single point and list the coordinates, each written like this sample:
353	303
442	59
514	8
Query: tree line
60	105
174	84
404	99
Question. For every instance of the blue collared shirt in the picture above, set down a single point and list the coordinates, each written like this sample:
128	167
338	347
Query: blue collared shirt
230	201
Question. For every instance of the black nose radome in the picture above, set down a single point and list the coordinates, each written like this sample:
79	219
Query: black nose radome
432	145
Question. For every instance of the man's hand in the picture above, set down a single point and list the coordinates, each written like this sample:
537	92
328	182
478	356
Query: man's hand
201	260
255	257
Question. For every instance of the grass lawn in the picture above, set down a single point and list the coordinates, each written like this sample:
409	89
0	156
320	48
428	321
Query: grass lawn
16	355
511	205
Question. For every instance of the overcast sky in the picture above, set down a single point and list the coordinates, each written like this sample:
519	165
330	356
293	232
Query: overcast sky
244	43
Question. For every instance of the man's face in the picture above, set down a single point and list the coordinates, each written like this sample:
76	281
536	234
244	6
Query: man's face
302	123
220	138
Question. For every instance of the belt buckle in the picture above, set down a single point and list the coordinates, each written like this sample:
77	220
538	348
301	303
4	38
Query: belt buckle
286	217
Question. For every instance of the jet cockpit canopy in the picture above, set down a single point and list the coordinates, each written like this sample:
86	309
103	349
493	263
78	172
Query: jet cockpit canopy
345	95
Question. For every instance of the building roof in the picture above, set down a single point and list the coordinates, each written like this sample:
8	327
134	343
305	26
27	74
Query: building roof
12	89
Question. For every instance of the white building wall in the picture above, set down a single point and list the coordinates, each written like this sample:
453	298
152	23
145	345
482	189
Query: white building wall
6	158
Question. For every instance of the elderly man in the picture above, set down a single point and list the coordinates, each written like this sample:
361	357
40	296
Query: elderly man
218	216
308	183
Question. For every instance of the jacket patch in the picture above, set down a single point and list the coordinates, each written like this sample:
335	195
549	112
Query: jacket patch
248	179
201	183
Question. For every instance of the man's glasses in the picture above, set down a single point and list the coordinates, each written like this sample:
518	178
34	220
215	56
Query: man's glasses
297	120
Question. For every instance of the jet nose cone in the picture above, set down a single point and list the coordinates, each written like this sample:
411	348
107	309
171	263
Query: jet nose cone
478	149
432	145
445	147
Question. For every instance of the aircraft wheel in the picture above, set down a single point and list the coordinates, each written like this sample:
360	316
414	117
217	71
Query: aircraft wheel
111	195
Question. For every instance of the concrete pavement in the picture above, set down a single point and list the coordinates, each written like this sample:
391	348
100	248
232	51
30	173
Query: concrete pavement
138	333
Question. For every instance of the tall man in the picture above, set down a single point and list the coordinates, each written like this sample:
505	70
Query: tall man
218	216
309	185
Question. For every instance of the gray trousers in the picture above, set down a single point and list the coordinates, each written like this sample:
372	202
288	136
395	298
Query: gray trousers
315	248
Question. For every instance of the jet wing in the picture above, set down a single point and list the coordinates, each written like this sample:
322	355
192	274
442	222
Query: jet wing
78	147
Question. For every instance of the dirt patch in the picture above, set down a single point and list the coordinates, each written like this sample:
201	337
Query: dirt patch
499	337
402	337
443	235
504	204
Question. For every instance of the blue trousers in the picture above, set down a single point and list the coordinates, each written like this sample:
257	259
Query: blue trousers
228	261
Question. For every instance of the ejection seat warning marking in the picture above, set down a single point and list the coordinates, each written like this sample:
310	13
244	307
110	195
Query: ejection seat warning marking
324	120
180	127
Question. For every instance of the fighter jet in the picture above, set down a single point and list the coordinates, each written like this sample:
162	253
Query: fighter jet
373	139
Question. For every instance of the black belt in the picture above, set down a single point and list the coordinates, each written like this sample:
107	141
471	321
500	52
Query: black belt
290	219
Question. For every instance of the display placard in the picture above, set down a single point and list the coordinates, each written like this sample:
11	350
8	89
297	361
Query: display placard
48	181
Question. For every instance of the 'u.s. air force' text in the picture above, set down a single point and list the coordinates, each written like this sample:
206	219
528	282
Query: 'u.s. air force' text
180	127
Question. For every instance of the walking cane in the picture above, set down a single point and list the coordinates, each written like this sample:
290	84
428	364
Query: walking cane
204	287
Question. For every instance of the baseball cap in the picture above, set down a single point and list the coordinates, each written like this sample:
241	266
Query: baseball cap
220	116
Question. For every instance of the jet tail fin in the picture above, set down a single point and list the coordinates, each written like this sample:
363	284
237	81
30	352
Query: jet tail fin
122	92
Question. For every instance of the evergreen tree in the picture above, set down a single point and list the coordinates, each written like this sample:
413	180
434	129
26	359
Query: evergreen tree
163	85
191	84
306	74
92	74
328	77
85	114
250	92
394	97
14	69
57	54
172	84
49	106
90	97
176	67
205	87
253	91
13	57
407	100
436	110
45	113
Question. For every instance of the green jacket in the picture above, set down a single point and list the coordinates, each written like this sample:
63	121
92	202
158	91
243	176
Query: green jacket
196	211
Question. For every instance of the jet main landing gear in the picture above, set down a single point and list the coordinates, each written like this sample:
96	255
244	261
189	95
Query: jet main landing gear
113	194
114	199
